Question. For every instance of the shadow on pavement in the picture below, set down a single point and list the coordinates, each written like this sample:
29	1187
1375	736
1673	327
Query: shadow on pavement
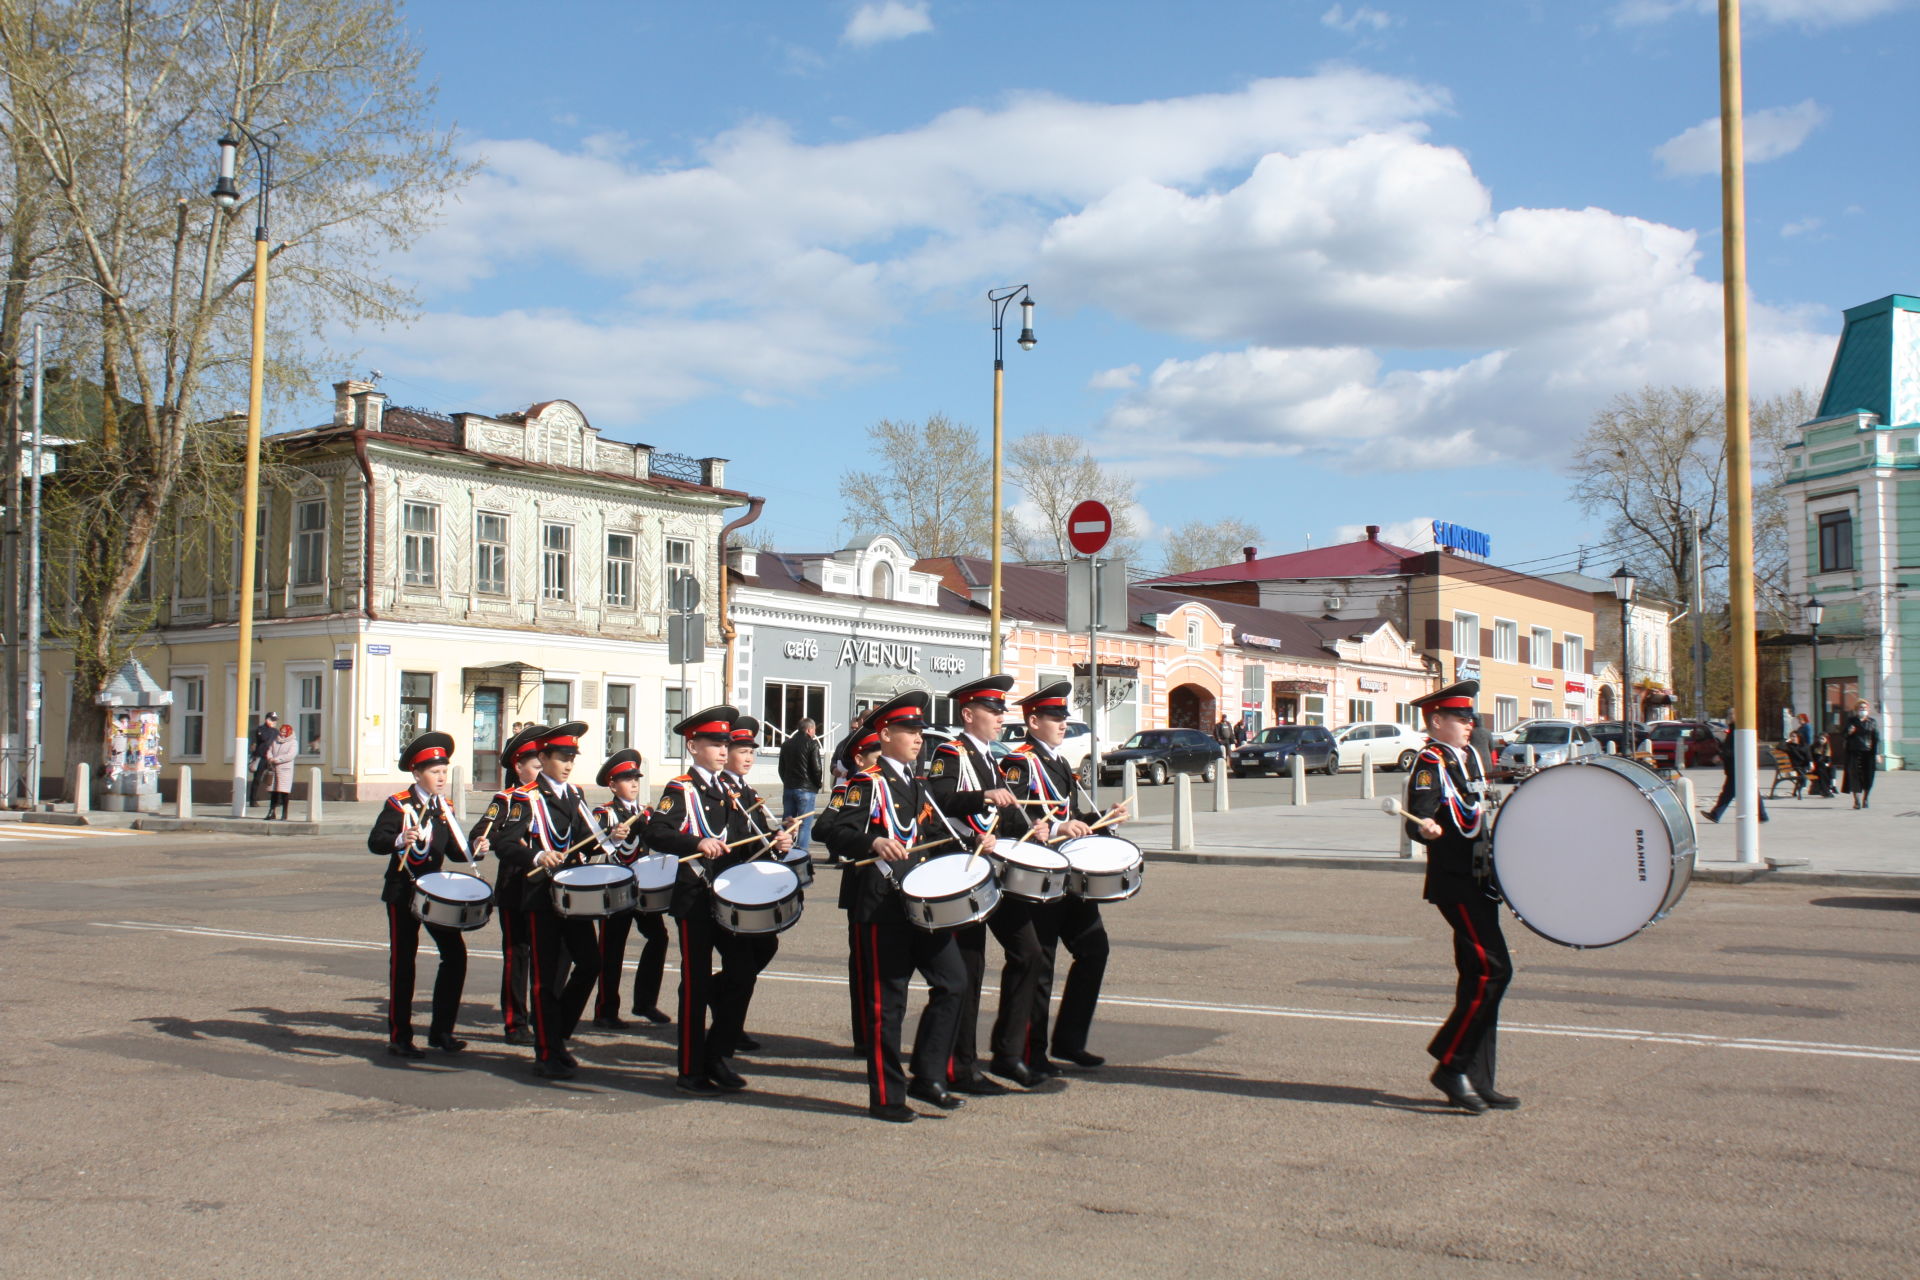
1869	904
1280	1090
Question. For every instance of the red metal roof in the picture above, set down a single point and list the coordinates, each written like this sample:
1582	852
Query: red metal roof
1366	558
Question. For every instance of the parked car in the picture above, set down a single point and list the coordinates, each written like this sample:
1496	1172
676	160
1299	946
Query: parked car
1615	731
1158	754
1394	746
1501	737
1553	742
1077	745
1273	751
1666	738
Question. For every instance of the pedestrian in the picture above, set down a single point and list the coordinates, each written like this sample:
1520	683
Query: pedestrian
1223	732
1863	750
1726	788
1800	747
800	781
265	734
1240	732
280	757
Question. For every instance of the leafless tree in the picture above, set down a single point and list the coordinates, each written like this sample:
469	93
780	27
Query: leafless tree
1203	544
929	488
1055	473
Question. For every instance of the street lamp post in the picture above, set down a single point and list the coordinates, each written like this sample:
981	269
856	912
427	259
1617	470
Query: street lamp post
1814	611
1623	584
1000	300
227	195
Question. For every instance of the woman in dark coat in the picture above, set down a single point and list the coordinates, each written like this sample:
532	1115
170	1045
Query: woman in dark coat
1863	749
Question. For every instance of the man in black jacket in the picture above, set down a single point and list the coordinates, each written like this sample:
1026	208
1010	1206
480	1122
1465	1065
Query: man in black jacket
800	781
259	771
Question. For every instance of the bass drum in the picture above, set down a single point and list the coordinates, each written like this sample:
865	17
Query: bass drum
1590	852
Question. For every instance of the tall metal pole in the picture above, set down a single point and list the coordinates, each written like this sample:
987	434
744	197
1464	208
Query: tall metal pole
250	495
1696	607
11	735
993	607
32	744
1627	700
1818	703
1733	204
1093	677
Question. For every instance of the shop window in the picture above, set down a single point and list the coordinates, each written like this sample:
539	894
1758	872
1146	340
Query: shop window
490	553
307	718
416	704
785	704
190	716
1403	713
556	702
619	717
1836	541
1313	708
673	705
1359	710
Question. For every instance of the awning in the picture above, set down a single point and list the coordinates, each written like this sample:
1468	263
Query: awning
1299	686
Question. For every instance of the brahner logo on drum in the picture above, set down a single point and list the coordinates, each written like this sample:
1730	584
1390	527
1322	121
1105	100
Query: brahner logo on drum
1640	851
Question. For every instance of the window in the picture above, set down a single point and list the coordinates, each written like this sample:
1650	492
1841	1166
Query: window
1313	708
1506	640
882	581
620	570
259	554
619	717
1541	646
416	704
419	543
490	554
1541	710
1403	713
784	705
190	706
310	543
1193	633
1836	541
556	702
679	563
1576	655
1466	635
306	719
1506	712
556	562
673	705
1359	710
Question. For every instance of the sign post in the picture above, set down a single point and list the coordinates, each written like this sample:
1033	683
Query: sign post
1089	527
686	638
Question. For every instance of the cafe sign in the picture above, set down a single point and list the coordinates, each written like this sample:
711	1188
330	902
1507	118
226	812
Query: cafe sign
900	657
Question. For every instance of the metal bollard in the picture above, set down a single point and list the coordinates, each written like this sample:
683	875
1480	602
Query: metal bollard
1613	748
183	793
1530	758
313	794
1687	798
82	789
1366	774
1298	767
1130	789
1220	801
458	786
1182	812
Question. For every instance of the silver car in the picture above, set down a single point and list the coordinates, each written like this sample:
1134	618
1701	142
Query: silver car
1552	742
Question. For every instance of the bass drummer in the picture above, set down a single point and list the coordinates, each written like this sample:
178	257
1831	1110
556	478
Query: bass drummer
416	833
624	819
1450	814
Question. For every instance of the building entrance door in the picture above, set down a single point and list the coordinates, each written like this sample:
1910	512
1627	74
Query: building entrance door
486	737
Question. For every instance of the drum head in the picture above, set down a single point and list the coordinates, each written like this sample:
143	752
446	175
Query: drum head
1028	854
755	884
455	886
797	855
946	876
1099	855
656	871
1584	855
594	877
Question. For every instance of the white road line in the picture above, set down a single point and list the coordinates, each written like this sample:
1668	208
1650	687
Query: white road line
1697	1040
22	831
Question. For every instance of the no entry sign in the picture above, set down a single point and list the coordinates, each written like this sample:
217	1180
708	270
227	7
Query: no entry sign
1089	525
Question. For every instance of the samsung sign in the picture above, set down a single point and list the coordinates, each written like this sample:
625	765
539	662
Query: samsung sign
1468	542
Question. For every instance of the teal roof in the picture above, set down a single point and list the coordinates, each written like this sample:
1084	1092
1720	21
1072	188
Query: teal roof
1877	366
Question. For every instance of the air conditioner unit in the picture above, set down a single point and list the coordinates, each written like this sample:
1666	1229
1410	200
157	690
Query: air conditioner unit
1332	604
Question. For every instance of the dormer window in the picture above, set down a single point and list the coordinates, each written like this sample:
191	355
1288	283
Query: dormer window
882	581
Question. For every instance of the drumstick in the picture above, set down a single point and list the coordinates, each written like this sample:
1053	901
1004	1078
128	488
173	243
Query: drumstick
1113	816
867	862
975	856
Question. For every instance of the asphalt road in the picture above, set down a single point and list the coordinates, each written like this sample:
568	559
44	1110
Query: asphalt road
194	1086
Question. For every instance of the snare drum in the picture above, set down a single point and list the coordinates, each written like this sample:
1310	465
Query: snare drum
653	877
1030	871
597	890
452	900
1590	852
1103	868
757	897
800	862
950	891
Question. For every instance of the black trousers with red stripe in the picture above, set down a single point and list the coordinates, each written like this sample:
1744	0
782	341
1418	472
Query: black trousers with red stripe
613	956
1024	979
403	947
1075	924
1465	1041
516	966
971	942
726	993
887	956
558	1002
856	983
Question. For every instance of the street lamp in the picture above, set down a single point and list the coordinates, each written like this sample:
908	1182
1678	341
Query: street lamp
226	194
999	300
1623	584
1813	610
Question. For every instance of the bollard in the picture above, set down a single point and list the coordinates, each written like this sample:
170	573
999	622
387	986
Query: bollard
1366	774
1182	813
1220	801
1130	789
1530	758
1298	766
313	794
82	789
1613	748
459	788
1685	786
183	793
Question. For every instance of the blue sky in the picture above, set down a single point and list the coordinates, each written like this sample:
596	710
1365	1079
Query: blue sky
1314	265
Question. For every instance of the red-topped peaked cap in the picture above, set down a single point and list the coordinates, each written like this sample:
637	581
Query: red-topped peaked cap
1460	699
746	732
715	723
427	749
1048	700
988	691
522	744
905	711
621	764
564	737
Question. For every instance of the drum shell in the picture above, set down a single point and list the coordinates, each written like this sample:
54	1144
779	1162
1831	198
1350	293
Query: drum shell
802	866
654	899
1030	883
776	916
956	909
591	901
450	913
1104	884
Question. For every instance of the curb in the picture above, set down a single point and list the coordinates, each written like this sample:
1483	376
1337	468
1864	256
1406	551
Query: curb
1704	875
246	827
1318	861
58	819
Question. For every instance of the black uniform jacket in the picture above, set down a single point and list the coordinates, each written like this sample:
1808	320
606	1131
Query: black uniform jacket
693	806
1034	772
869	893
959	767
1447	786
517	840
612	814
407	807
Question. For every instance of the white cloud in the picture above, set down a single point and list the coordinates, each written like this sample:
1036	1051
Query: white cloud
1769	134
1806	13
1414	535
1351	23
1804	227
1124	378
873	24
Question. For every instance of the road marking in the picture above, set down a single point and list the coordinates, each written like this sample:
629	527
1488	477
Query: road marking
1696	1040
26	831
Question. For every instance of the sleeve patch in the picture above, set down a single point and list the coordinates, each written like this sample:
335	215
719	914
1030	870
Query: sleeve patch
1424	778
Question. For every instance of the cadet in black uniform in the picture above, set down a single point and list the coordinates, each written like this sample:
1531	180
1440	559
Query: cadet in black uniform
416	833
547	818
743	744
520	761
1037	771
883	814
1446	796
625	819
965	765
697	814
855	755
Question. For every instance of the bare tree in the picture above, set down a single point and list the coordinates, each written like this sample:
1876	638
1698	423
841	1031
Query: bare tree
1203	544
1055	473
929	489
112	107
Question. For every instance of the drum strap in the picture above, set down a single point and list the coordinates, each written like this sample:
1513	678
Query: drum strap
695	823
1466	811
459	836
904	832
970	780
1043	785
542	820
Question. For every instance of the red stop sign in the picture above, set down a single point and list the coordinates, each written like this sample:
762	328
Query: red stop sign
1089	525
